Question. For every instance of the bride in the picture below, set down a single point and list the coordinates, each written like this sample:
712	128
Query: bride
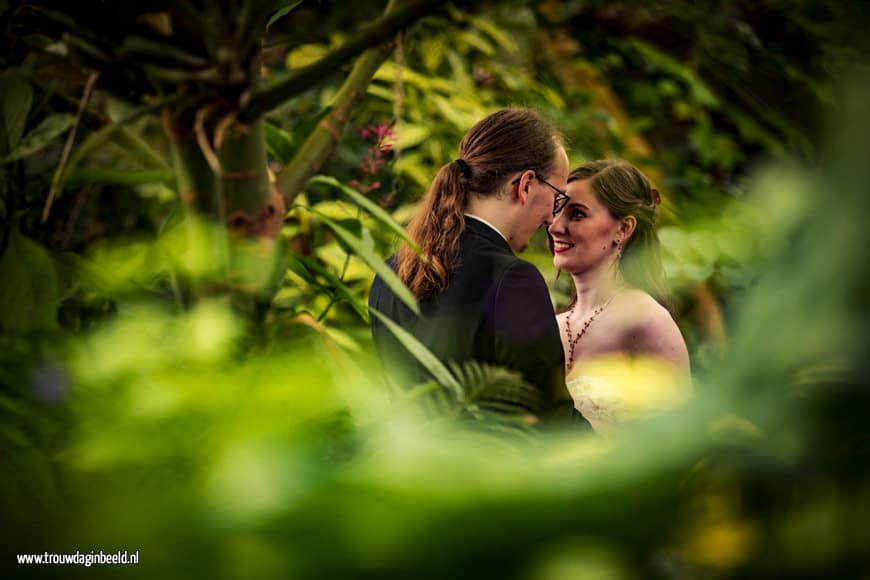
623	351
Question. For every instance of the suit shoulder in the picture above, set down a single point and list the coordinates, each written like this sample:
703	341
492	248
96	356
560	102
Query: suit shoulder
521	287
518	272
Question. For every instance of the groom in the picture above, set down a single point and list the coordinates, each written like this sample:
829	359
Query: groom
478	300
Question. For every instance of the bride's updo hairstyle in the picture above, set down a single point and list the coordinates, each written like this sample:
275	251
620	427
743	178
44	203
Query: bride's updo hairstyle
625	191
505	142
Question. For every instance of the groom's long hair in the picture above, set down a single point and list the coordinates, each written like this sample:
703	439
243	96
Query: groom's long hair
505	142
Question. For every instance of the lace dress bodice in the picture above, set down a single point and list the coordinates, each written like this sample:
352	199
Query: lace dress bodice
631	390
599	401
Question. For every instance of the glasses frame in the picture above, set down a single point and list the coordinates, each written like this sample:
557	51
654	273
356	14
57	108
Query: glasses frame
559	201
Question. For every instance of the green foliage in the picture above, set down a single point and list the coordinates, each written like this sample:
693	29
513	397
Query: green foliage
363	246
374	210
17	98
279	143
282	12
29	293
222	443
50	128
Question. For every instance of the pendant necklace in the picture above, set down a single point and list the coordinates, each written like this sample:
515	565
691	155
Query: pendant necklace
572	342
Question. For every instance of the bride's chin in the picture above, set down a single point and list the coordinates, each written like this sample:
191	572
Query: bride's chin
569	267
561	263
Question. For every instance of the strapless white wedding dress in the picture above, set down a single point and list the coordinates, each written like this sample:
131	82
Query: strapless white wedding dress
631	391
599	401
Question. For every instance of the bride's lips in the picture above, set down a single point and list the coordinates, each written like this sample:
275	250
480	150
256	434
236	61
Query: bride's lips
559	246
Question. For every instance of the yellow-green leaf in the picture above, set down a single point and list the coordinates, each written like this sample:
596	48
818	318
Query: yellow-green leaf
368	205
367	255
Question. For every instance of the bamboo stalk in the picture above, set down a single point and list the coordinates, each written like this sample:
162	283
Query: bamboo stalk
199	190
244	176
394	19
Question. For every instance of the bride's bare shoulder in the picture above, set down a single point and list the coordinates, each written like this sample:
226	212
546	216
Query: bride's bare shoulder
648	327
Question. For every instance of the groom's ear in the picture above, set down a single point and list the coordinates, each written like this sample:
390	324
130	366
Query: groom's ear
522	186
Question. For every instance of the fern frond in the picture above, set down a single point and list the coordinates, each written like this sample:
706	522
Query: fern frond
492	389
497	401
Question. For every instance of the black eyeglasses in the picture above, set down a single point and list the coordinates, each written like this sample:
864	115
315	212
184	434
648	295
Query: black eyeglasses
561	198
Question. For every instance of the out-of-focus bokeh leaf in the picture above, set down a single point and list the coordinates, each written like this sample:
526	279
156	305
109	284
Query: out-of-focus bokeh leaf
17	97
29	294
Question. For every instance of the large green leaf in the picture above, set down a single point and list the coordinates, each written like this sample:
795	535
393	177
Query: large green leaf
50	128
423	355
17	97
367	254
410	135
29	295
371	207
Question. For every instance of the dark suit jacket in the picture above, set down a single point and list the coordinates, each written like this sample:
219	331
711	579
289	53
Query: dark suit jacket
496	309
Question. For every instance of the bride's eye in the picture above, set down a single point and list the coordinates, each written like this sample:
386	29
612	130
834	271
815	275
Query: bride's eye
577	214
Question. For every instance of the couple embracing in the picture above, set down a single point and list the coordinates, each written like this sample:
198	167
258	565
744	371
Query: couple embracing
479	301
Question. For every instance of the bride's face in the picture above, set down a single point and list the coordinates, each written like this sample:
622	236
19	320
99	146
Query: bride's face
583	232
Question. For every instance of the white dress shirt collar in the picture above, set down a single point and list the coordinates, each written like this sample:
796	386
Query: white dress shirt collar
480	219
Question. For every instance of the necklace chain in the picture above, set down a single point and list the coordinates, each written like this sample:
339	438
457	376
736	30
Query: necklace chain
572	341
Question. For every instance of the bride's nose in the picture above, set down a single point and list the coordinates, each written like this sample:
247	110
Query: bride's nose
557	224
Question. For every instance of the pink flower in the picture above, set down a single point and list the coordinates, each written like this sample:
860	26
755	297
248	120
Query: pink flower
373	162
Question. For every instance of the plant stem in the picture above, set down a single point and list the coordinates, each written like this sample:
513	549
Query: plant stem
56	181
333	299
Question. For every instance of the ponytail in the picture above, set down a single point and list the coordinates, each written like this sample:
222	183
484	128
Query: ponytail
499	145
436	228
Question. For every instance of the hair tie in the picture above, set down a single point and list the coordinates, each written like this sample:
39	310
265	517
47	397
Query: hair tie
464	168
657	198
